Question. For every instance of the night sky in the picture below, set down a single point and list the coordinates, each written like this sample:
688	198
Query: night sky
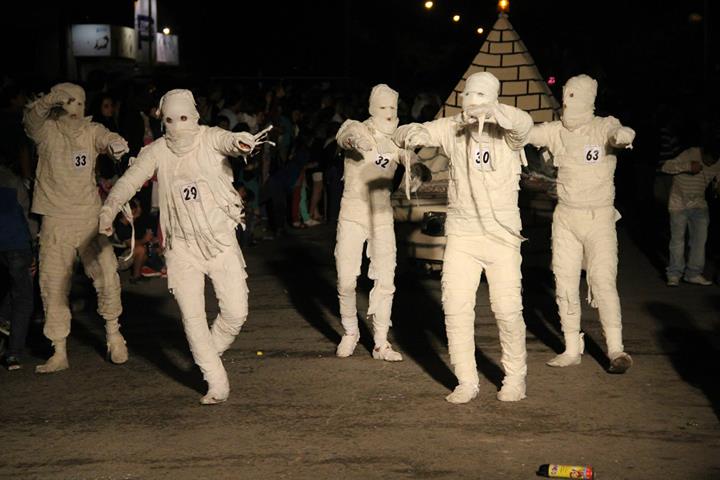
633	49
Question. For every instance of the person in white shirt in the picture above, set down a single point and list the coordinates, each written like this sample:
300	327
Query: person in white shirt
693	170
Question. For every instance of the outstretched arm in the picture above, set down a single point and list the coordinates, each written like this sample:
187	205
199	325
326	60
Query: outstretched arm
139	172
617	135
353	135
109	142
517	125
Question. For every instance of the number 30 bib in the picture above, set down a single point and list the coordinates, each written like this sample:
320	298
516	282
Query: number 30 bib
482	158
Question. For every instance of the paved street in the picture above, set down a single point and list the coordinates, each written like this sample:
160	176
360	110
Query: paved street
297	411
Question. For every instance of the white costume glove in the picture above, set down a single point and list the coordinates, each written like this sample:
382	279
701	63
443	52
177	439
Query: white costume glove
623	137
105	222
118	148
245	141
358	143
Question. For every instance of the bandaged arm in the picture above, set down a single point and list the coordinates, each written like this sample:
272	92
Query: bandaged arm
231	144
109	142
37	112
353	135
617	135
521	124
142	169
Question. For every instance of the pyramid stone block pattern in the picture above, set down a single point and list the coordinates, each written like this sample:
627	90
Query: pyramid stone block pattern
505	55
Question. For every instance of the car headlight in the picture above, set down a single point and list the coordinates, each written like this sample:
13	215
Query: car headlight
433	224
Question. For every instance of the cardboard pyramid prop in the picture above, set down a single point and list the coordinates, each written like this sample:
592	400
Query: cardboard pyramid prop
504	55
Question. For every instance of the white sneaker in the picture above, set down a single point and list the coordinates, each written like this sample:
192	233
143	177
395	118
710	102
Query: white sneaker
117	350
512	390
56	363
568	359
463	393
698	280
386	353
565	360
212	398
673	281
313	223
347	345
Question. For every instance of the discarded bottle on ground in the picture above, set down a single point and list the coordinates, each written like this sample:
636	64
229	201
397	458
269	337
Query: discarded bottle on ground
584	472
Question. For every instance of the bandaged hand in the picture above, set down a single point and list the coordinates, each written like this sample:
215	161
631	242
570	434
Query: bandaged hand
623	137
244	141
105	222
501	116
411	136
58	97
118	148
359	143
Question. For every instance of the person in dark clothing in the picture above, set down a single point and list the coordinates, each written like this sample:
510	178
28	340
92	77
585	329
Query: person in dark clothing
16	260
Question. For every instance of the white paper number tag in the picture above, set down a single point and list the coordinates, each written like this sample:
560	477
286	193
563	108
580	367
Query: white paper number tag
382	162
482	158
79	159
593	154
189	192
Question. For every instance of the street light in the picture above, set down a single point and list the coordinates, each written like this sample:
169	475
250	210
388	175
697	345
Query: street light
429	4
166	31
456	18
480	30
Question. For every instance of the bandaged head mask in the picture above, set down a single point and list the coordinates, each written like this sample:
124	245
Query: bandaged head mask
383	108
578	101
180	120
480	88
73	105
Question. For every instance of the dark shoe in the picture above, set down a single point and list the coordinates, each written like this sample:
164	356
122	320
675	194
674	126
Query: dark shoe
12	362
620	363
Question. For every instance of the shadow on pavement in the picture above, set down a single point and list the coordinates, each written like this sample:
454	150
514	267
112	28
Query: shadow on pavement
417	315
300	270
161	343
691	349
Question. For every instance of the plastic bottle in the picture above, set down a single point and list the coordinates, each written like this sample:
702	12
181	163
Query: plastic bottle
584	472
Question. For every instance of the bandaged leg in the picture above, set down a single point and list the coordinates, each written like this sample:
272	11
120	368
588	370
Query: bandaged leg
57	257
186	279
505	285
381	250
601	248
348	259
227	272
100	265
567	266
58	361
460	280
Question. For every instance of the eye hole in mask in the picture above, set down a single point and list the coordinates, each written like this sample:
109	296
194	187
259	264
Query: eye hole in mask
168	120
183	118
